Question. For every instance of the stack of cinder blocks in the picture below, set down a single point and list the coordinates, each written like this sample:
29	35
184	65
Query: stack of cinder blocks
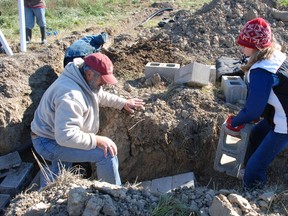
230	153
234	88
194	74
14	176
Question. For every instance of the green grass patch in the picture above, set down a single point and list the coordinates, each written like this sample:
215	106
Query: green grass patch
284	2
170	206
66	15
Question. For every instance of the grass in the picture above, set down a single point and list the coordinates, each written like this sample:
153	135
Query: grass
64	15
284	2
170	206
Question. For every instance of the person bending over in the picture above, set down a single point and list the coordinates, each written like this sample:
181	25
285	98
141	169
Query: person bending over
266	74
85	46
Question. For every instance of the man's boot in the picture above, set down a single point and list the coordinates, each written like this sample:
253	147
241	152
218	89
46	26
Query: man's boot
28	35
43	35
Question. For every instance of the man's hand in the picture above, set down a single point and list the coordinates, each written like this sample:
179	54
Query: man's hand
106	145
134	104
232	131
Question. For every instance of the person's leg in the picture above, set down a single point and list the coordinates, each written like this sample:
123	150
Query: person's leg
41	22
257	135
29	23
70	59
67	60
107	168
257	165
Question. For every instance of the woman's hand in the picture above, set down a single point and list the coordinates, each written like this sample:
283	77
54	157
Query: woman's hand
134	104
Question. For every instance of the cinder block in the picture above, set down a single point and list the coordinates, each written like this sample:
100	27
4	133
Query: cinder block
169	183
182	180
146	185
16	181
4	200
194	74
231	151
165	70
10	160
234	88
212	77
161	185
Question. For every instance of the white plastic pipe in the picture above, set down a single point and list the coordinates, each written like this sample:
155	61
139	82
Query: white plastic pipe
5	44
22	25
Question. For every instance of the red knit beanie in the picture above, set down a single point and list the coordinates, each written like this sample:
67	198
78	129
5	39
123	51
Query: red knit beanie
256	34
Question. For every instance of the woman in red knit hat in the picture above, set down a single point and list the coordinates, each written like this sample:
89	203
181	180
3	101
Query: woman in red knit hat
267	79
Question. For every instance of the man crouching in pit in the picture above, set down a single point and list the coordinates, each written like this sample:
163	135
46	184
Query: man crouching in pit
66	122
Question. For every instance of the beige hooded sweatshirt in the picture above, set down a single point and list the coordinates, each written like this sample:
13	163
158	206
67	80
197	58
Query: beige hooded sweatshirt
69	111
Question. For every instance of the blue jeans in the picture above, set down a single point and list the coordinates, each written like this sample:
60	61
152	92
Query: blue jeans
264	145
106	168
31	14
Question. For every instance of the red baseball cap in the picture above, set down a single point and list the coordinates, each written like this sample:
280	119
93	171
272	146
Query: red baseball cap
103	65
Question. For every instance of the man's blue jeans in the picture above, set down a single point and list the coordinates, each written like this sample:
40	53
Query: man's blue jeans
106	168
264	145
31	14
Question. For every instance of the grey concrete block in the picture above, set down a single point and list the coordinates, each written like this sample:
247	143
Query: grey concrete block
194	74
4	200
169	183
146	185
234	88
212	77
16	181
183	180
10	160
165	70
161	185
231	151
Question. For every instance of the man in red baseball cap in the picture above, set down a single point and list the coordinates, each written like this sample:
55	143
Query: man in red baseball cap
103	65
66	122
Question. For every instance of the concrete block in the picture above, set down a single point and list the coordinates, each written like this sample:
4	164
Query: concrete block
212	77
167	184
231	151
234	88
16	181
194	74
6	172
165	70
10	160
4	200
161	185
146	185
183	180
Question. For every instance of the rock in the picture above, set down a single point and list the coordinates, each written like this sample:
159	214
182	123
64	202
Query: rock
280	15
76	201
222	207
38	210
93	206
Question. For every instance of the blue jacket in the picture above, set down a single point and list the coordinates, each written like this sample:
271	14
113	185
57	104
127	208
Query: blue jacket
86	45
267	93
